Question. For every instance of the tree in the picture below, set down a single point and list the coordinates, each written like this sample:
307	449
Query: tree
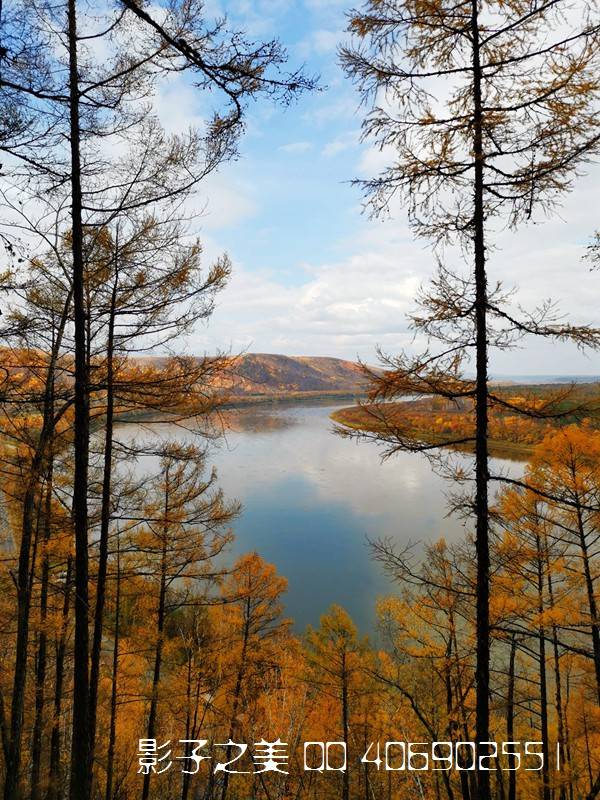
143	289
546	560
428	636
334	660
565	469
254	620
486	111
184	530
88	103
527	557
33	394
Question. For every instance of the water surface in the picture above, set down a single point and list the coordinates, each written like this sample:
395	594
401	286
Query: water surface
311	501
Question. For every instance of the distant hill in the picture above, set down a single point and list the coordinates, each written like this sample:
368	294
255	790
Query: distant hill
267	374
538	380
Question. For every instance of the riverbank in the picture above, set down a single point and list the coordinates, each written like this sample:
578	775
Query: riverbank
241	402
358	419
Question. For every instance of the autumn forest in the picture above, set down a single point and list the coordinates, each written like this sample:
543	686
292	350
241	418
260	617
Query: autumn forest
145	654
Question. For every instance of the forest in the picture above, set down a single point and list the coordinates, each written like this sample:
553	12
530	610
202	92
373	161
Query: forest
140	658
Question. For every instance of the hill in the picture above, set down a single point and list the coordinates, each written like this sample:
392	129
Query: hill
265	374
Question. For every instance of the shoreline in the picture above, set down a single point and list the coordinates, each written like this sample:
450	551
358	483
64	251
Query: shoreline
510	451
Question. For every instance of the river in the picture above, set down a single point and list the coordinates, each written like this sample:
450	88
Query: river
311	500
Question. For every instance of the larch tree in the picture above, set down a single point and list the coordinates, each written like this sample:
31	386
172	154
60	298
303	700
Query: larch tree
185	528
526	562
334	653
36	414
428	635
53	78
486	111
565	469
254	620
144	287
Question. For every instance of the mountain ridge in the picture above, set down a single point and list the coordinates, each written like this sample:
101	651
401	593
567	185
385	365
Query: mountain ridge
266	374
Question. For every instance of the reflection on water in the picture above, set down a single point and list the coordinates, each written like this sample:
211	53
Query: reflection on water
256	420
311	500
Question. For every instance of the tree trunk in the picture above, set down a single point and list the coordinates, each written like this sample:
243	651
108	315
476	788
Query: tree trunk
185	781
449	701
79	784
345	723
194	721
591	597
543	679
105	514
13	762
567	733
237	693
61	647
40	676
482	676
366	769
151	730
112	736
510	719
3	729
588	756
557	680
461	712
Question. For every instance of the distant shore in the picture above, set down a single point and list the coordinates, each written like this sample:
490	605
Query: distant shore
290	397
358	419
245	401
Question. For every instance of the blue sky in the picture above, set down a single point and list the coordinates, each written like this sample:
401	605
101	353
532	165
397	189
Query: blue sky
297	162
312	274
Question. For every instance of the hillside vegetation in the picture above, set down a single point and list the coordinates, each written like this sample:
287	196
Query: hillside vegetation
261	373
511	435
267	375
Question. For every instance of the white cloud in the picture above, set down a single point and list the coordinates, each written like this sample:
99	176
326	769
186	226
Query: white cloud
340	144
296	147
177	106
223	204
330	110
374	160
320	42
349	306
344	308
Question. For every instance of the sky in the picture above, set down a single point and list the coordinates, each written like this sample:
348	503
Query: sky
312	274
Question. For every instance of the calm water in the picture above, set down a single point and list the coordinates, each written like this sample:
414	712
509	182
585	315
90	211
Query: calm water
311	500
